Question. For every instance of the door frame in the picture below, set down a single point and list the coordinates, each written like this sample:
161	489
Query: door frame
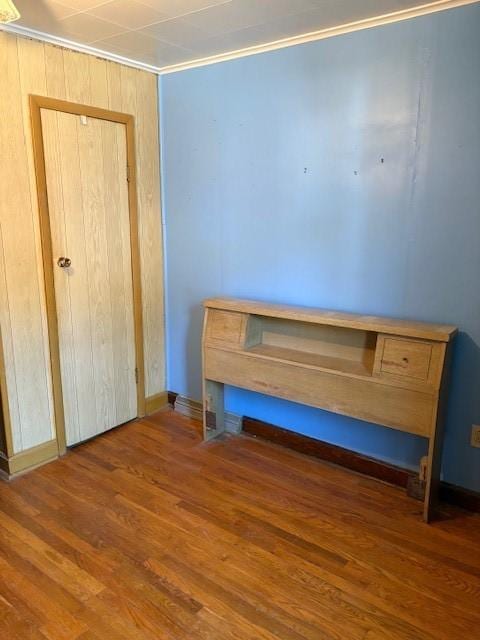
36	104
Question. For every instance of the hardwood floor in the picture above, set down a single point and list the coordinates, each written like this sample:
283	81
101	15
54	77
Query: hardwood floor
148	533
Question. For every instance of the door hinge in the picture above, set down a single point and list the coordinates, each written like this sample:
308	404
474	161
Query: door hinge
136	375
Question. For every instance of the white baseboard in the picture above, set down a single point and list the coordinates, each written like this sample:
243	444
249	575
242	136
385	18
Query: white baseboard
193	409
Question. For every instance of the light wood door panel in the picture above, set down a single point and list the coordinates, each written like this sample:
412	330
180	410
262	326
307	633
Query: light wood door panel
85	160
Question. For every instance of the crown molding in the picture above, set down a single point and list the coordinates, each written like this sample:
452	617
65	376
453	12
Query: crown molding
359	25
77	46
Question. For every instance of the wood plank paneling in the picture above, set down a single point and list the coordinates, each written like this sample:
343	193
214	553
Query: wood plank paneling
31	63
114	83
98	81
77	77
8	379
27	66
20	259
55	72
5	429
150	231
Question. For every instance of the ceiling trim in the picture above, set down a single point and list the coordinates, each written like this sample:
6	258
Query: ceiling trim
368	23
77	46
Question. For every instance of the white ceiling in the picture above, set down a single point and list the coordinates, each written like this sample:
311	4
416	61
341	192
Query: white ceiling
167	32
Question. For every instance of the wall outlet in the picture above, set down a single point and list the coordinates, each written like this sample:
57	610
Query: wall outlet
475	439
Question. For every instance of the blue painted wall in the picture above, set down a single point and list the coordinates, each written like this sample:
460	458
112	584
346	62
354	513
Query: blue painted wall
343	173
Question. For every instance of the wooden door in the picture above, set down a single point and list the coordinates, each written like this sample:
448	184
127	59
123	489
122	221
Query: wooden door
87	190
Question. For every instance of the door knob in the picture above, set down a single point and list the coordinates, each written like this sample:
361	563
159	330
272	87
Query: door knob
64	263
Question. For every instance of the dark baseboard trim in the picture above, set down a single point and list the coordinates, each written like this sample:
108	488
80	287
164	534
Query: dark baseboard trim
355	461
328	452
460	497
172	396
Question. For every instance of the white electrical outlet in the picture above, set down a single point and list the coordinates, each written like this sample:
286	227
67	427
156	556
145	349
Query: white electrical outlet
475	439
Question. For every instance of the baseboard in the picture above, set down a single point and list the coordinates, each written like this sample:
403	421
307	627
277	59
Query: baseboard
453	494
193	409
354	461
29	459
328	452
3	466
156	402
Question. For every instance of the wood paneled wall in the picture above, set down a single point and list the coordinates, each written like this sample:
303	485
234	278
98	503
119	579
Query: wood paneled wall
26	67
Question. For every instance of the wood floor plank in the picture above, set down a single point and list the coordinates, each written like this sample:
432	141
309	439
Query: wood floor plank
367	540
147	533
49	616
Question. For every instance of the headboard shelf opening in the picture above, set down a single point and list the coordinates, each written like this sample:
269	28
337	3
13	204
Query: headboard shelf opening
324	346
